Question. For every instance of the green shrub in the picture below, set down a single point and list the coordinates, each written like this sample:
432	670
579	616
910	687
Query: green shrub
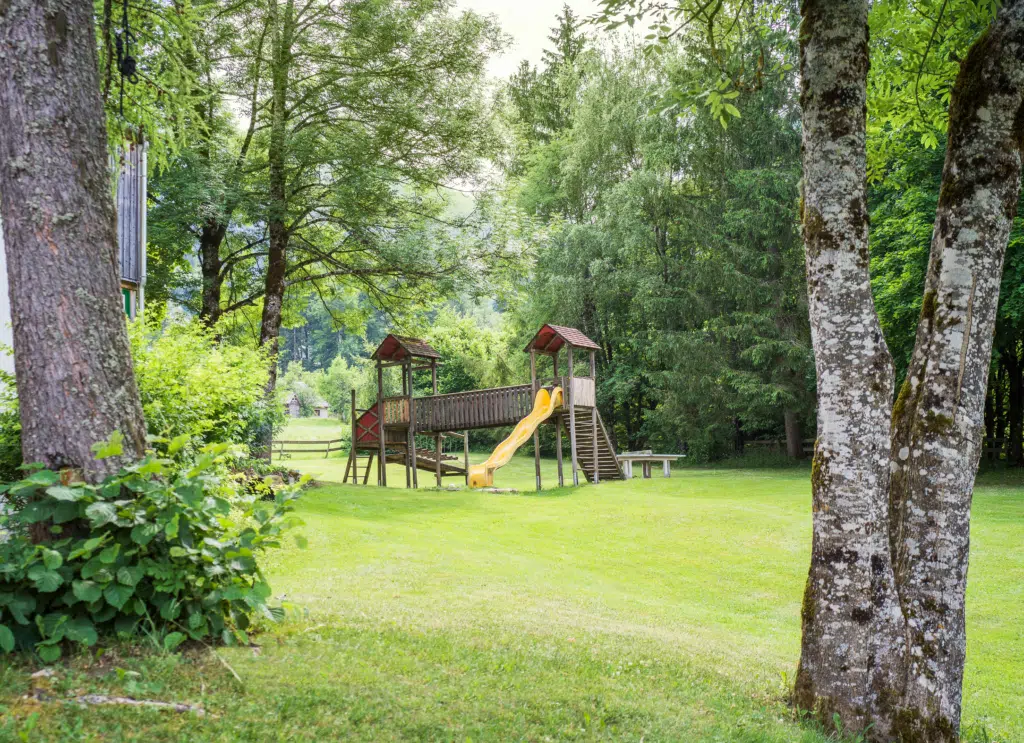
162	548
262	479
191	383
10	429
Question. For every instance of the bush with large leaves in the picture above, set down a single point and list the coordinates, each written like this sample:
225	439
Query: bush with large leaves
163	548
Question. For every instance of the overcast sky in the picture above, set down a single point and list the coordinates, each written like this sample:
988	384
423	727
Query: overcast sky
528	22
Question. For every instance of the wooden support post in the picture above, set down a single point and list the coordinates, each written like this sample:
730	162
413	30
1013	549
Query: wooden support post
437	436
437	458
536	434
558	450
382	468
350	466
406	374
465	453
572	422
369	464
593	418
412	432
353	456
410	443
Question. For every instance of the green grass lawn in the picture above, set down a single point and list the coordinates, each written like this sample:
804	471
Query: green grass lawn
656	610
313	429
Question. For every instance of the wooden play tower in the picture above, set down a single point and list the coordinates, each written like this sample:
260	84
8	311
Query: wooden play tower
438	417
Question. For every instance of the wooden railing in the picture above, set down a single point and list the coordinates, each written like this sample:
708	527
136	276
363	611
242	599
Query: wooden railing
490	408
396	410
500	406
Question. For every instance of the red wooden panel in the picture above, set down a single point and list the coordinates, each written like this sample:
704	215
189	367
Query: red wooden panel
368	430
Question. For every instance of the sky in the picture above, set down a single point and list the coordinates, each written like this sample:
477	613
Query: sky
528	22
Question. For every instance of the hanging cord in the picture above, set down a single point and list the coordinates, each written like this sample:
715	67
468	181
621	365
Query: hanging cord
126	64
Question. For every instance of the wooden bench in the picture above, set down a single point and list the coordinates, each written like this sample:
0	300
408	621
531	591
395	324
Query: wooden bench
645	458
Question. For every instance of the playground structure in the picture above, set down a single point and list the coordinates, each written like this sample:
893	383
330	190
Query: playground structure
387	431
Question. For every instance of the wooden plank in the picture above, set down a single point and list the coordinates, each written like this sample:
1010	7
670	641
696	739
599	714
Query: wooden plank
572	424
437	456
382	470
369	464
412	430
536	435
558	450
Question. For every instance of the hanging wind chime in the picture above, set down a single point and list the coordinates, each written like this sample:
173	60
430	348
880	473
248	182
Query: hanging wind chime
126	64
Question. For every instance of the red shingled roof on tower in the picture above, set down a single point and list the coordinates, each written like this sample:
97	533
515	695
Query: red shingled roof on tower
397	347
551	338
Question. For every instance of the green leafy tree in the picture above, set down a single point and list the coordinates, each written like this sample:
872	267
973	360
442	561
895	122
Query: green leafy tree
673	243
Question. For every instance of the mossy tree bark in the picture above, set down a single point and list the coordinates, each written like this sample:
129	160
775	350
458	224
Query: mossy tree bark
852	627
883	618
72	360
939	417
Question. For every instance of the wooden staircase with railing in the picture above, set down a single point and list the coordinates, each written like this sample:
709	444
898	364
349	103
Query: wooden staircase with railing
607	465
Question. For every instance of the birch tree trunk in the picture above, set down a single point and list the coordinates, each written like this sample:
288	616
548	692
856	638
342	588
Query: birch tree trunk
884	634
72	360
852	626
940	414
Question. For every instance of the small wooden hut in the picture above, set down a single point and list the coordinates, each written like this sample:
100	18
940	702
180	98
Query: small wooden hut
292	405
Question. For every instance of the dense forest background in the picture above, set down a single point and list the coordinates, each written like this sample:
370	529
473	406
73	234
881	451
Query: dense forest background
649	199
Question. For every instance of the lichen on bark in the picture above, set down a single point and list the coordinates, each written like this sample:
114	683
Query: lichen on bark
883	612
850	612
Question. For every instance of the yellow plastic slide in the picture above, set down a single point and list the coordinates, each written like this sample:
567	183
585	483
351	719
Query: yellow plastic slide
482	475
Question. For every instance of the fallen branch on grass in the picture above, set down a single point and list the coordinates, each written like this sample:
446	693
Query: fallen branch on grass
100	699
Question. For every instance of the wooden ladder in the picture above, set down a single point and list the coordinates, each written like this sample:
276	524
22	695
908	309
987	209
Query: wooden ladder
608	467
355	456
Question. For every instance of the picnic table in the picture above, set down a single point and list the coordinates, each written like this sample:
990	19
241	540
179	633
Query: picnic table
645	458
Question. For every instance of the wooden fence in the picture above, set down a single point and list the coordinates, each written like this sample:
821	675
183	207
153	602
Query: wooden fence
280	447
993	447
779	445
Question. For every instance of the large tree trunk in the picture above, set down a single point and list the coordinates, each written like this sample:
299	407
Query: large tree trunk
210	241
1000	415
1015	408
71	354
277	258
939	417
794	442
898	665
852	628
